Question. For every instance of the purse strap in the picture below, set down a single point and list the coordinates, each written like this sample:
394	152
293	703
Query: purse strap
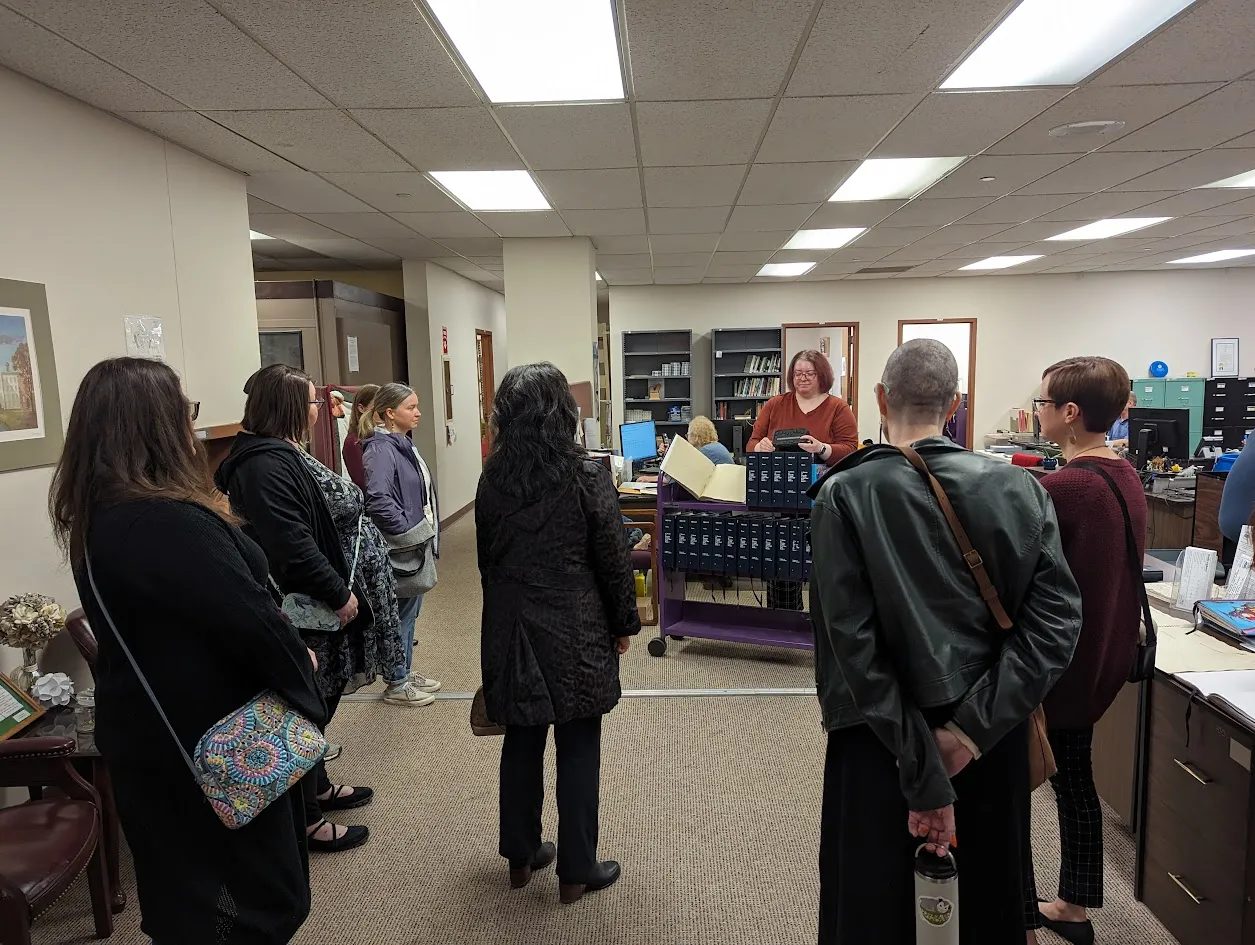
357	550
971	557
1130	543
143	680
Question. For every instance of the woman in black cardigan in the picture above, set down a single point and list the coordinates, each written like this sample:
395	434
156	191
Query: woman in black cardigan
559	610
187	592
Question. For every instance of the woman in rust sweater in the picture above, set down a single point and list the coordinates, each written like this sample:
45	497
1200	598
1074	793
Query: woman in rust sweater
832	431
1080	399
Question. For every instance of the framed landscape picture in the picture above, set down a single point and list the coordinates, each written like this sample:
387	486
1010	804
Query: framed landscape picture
30	406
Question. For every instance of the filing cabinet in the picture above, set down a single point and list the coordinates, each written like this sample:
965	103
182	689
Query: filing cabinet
1189	393
1229	409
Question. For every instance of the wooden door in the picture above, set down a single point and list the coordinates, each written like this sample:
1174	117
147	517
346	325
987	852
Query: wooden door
487	387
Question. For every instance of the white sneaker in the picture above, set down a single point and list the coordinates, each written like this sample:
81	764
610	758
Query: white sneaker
407	694
422	682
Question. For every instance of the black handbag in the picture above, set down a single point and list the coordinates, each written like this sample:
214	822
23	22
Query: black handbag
1143	667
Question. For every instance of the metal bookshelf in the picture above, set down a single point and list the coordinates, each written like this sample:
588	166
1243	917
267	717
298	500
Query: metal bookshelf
734	352
649	359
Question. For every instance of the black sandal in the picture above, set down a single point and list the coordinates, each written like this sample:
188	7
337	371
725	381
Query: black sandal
352	837
360	797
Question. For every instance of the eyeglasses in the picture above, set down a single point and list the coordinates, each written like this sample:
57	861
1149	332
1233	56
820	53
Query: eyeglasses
317	403
1039	402
193	409
809	375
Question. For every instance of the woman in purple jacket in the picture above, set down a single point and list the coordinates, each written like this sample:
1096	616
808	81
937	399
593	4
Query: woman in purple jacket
401	501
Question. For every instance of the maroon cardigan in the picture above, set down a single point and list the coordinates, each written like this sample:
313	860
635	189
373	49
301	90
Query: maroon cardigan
1092	528
353	461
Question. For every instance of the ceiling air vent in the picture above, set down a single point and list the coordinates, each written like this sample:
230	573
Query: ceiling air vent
882	270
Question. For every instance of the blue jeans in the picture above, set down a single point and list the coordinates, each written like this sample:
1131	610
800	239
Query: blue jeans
407	611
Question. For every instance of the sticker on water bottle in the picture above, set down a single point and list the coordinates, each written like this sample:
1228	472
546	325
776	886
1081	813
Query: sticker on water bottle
936	910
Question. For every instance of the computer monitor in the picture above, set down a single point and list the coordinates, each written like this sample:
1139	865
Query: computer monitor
1159	431
734	434
639	440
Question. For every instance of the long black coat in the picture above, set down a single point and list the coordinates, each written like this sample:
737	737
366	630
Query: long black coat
558	590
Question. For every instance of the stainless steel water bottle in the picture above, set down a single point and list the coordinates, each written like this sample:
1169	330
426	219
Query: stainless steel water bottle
936	898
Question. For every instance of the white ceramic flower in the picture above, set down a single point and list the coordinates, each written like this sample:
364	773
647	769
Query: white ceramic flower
54	689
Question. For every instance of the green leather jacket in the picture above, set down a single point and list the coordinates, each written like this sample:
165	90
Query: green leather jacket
901	630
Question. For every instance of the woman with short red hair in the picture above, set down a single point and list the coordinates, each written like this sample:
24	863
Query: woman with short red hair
832	431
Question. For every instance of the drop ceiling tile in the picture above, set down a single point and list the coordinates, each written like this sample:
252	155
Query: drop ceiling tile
984	249
408	192
740	257
571	137
316	140
624	261
858	255
708	186
438	225
616	189
364	226
1206	167
723	280
741	242
671	260
934	266
742	271
1101	206
313	263
1239	226
1213	202
1244	205
909	257
869	46
1182	226
643	277
625	222
892	236
928	211
523	223
1246	141
949	123
1015	209
1008	173
1217	117
778	217
842	128
794	183
185	48
281	249
472	245
352	250
443	139
34	51
1098	171
863	213
256	205
415	248
689	133
289	226
711	49
456	264
622	244
381	56
1135	106
203	135
678	275
959	233
683	242
687	219
1036	230
1212	42
302	192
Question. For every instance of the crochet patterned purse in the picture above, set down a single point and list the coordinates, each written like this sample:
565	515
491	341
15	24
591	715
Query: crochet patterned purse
248	759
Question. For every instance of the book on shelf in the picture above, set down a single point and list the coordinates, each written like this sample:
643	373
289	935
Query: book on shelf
686	464
762	364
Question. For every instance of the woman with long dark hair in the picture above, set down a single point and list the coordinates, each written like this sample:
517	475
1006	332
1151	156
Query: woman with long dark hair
319	543
559	610
187	593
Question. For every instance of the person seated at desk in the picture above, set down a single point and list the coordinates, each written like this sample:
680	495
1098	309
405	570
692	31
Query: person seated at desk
1237	501
1119	432
832	431
702	434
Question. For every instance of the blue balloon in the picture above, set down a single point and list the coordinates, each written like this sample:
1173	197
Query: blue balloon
1158	369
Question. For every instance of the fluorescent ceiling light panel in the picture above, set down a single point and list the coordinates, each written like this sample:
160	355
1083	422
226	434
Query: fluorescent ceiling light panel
786	269
1219	255
538	50
1238	180
493	190
825	239
254	235
1059	42
1102	229
894	178
1000	262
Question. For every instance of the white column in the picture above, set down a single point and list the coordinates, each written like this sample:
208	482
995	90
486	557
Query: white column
551	304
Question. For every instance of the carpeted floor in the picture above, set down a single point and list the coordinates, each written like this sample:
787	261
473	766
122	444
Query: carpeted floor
711	804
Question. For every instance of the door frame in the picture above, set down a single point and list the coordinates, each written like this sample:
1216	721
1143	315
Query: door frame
971	363
852	327
485	367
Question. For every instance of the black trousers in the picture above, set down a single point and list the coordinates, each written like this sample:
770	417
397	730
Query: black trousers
866	854
317	782
579	788
1080	823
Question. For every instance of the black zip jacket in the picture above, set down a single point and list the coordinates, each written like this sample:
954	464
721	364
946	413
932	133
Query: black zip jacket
903	640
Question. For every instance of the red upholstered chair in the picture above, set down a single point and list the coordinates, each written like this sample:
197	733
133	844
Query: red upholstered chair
46	844
84	640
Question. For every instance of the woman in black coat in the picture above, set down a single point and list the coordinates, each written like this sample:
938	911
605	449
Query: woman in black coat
559	610
187	592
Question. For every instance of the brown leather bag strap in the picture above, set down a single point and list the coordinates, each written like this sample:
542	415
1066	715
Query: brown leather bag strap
971	556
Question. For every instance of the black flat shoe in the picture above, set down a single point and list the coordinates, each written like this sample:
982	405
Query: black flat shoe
521	875
604	874
350	838
1078	933
338	800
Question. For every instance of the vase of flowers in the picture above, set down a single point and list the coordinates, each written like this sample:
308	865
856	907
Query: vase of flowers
29	622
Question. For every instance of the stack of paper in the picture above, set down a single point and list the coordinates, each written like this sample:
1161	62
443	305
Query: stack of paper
1241	583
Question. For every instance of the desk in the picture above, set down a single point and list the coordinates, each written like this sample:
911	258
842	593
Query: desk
1169	520
86	758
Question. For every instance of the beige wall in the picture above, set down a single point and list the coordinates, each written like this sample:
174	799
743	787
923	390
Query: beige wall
552	303
115	222
1025	323
385	281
